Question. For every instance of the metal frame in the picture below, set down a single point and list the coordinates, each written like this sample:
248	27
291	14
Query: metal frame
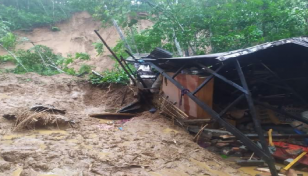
115	56
123	64
263	152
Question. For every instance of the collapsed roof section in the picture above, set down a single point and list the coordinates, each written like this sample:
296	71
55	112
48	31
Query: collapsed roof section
287	58
277	50
298	42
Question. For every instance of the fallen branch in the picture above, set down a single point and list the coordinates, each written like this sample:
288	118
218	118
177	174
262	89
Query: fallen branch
97	74
15	57
199	132
53	65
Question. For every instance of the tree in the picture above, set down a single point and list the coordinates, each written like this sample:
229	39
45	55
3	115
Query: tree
201	26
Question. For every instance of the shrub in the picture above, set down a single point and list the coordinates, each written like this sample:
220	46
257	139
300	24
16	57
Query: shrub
116	75
55	29
39	59
99	47
7	58
82	56
85	69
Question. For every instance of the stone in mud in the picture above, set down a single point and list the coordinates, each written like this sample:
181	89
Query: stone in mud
15	156
9	117
4	165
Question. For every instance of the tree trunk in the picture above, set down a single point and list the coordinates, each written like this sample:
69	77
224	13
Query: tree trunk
53	8
133	38
43	7
121	35
177	44
15	57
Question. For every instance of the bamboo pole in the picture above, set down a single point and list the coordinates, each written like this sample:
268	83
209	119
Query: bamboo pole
15	57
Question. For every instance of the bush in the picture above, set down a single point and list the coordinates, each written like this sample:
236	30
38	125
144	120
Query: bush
55	29
7	58
85	69
116	75
82	56
42	60
7	38
39	59
99	47
8	41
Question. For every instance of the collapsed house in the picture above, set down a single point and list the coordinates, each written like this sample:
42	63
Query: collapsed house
252	90
234	88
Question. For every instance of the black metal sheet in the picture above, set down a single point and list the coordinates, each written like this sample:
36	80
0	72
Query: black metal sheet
300	41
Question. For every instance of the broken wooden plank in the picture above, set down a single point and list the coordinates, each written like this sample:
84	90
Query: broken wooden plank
221	145
214	132
197	121
199	132
97	74
274	136
132	107
236	149
113	116
250	162
50	109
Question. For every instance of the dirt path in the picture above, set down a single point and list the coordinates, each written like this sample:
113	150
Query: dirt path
146	145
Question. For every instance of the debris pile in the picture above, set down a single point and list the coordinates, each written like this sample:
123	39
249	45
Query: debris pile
169	109
36	117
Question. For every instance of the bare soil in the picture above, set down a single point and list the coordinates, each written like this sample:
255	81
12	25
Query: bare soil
147	145
76	35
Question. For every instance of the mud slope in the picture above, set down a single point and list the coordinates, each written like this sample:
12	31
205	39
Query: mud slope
76	35
147	145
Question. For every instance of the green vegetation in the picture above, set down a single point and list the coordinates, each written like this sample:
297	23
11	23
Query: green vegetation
25	14
42	60
197	26
204	26
115	75
6	58
38	59
99	47
85	69
7	38
82	56
55	29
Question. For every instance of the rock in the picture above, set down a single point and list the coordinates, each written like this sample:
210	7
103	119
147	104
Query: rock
227	151
75	95
9	117
4	165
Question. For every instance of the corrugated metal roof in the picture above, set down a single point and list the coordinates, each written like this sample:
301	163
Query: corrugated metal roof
302	41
